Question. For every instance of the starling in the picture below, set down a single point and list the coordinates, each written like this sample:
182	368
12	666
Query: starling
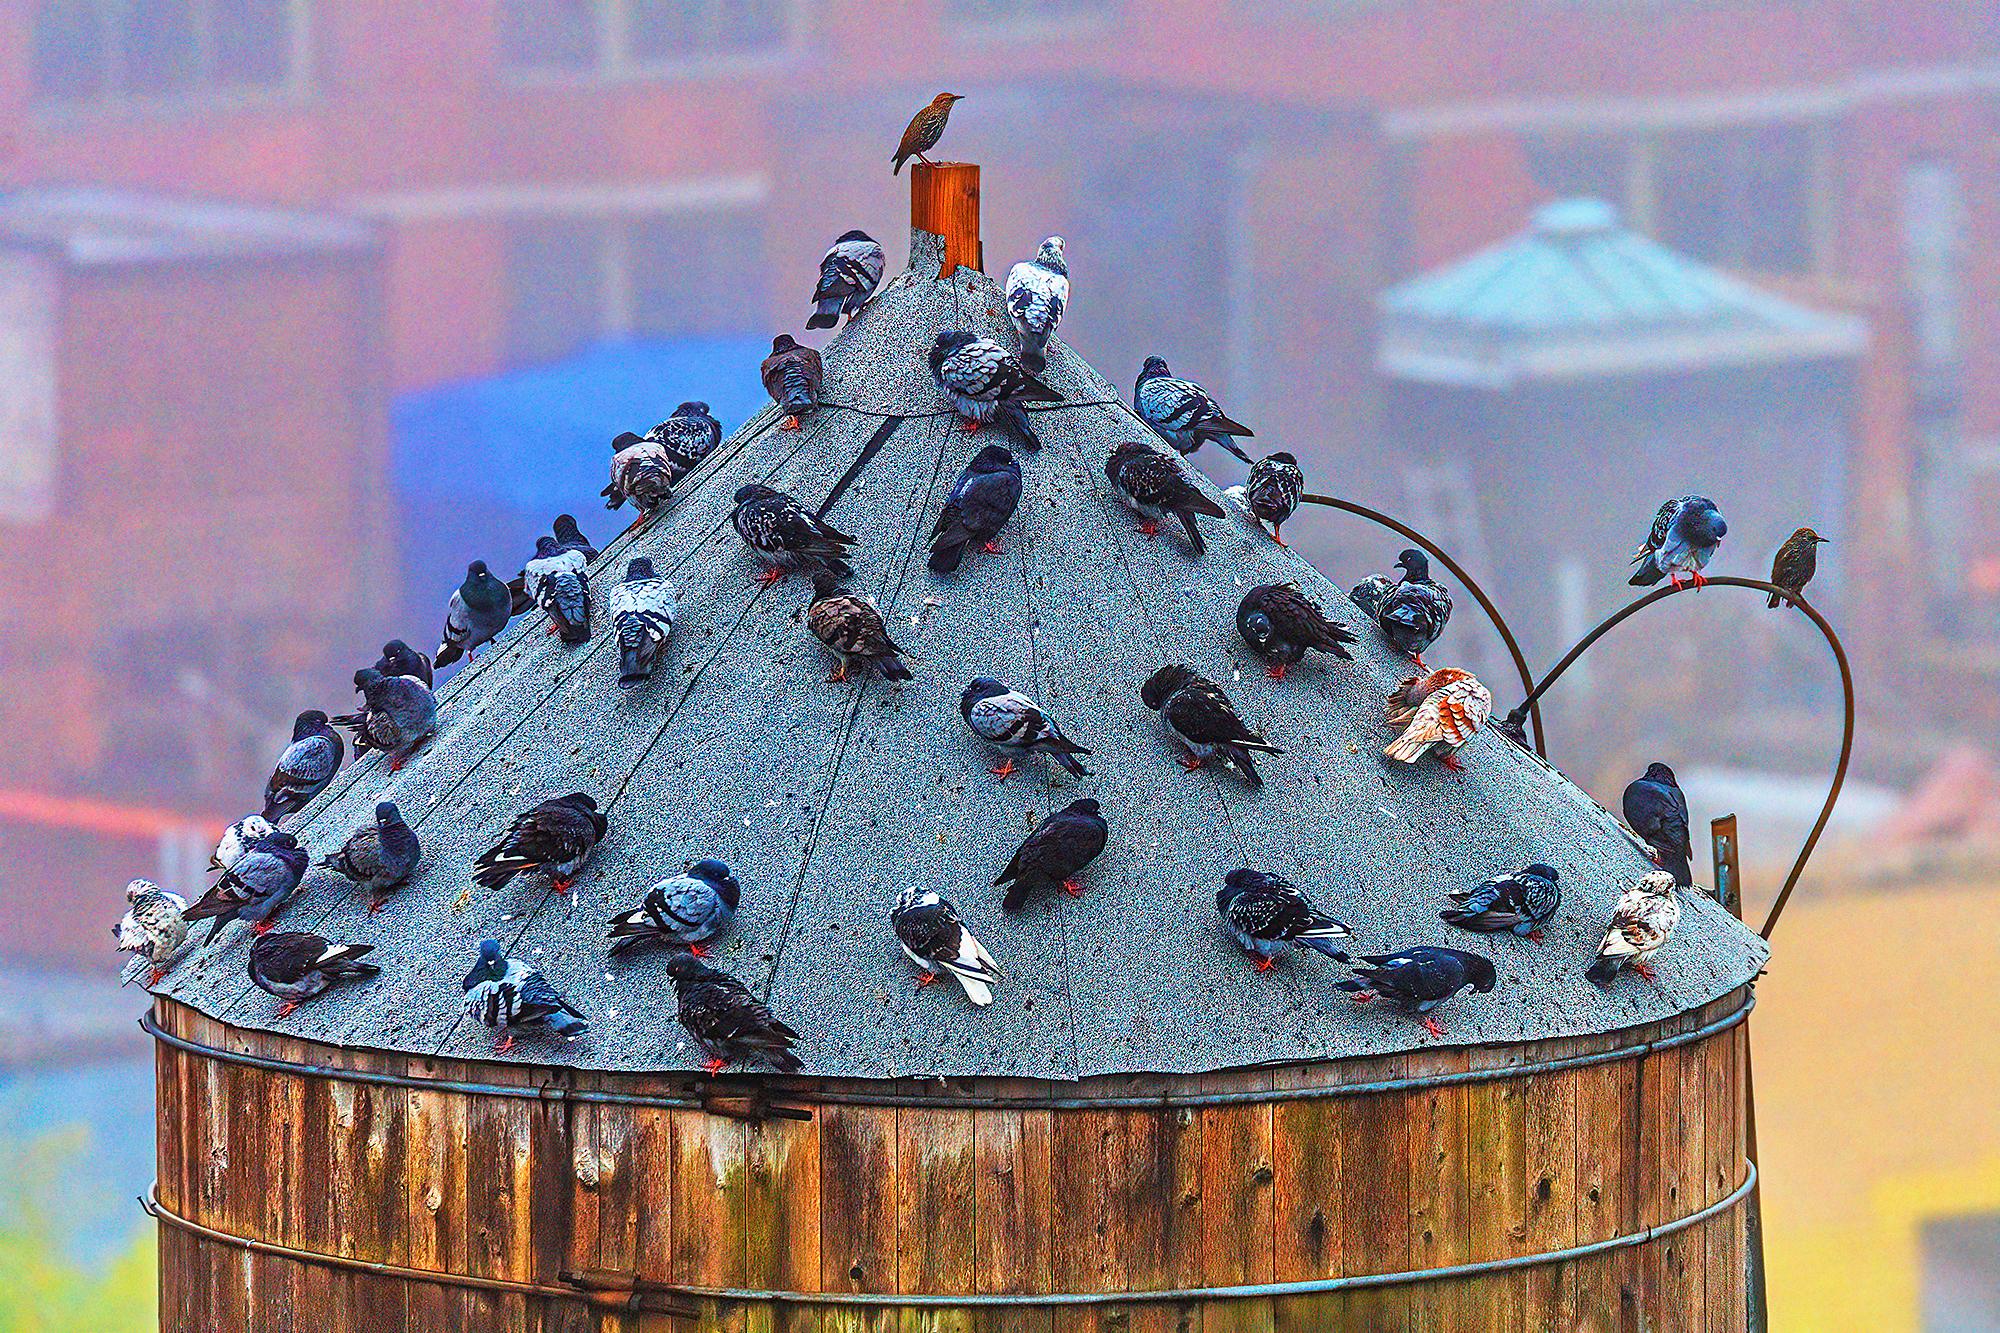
1683	539
1420	979
687	910
642	471
305	767
1055	853
1156	485
1282	623
793	375
982	381
1182	412
398	716
1657	811
780	528
1196	710
1520	901
263	878
236	839
558	582
729	1023
1412	611
379	856
154	925
932	936
504	992
849	272
981	501
399	659
1438	712
1795	564
852	627
925	129
1267	914
1011	720
296	965
1646	914
642	612
478	610
1271	492
1037	295
556	837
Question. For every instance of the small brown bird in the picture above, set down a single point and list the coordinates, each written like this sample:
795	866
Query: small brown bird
926	128
853	629
1796	562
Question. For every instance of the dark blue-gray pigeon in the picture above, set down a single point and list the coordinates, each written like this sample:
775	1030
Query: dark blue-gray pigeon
688	436
1157	485
981	501
1182	412
787	534
1419	979
1055	853
1521	901
730	1024
1684	536
1657	810
296	965
398	716
1267	914
256	887
1411	611
569	537
306	766
555	837
478	610
687	910
379	856
399	659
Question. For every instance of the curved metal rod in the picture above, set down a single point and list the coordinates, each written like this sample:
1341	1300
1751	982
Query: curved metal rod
1471	586
1846	696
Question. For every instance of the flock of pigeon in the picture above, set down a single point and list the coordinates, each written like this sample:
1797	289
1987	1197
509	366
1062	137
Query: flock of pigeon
1435	711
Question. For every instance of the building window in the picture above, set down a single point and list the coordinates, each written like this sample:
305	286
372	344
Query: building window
106	52
617	37
1934	261
1002	12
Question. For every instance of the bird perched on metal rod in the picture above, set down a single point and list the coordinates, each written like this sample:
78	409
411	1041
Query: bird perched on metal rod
296	965
1037	295
1156	485
1438	712
555	837
932	936
1520	901
981	501
1684	537
793	375
253	889
1196	710
1645	916
1271	492
398	716
1011	720
1268	914
687	910
849	272
506	993
1282	624
642	613
1055	853
305	767
729	1023
1419	979
983	381
851	626
925	129
1182	411
558	581
478	610
780	528
1411	611
380	856
154	926
1795	563
1657	811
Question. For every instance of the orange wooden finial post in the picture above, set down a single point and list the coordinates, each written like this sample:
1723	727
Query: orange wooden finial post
944	200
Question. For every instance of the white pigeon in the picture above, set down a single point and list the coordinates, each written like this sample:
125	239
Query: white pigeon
932	936
154	926
1037	295
236	840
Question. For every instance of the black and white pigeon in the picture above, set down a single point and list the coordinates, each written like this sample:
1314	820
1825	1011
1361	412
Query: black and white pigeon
398	716
933	938
1684	536
555	837
1055	853
1283	624
478	610
236	840
981	501
1037	295
731	1025
1157	486
853	629
794	376
399	659
296	965
849	272
1182	412
1645	916
1521	901
688	436
1411	611
983	381
1419	979
790	536
1267	914
379	856
1657	810
508	994
642	471
305	767
1011	720
569	537
154	926
686	910
558	581
1271	492
1196	710
642	612
260	883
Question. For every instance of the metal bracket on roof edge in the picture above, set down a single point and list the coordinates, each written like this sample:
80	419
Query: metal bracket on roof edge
752	1104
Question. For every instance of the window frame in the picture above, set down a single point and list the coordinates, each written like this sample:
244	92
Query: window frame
615	62
207	93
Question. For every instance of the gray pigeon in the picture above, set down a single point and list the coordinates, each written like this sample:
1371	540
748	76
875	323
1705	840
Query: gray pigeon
1267	914
380	857
849	272
1182	412
296	965
558	582
687	910
983	381
478	610
154	926
642	611
506	993
1011	720
305	767
236	839
1037	295
1272	491
688	436
399	659
256	886
398	716
1684	536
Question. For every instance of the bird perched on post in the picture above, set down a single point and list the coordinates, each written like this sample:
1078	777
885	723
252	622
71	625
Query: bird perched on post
236	839
852	627
296	965
305	767
380	856
932	936
780	528
154	926
555	837
924	130
1037	295
1156	485
1196	710
398	716
1011	720
849	272
642	471
506	993
1283	623
399	659
1182	412
1657	810
478	610
263	878
687	910
1055	853
1438	712
1684	537
1266	914
1271	492
558	582
1420	979
1795	563
1411	611
1521	901
642	612
793	375
983	381
981	501
569	537
1645	916
729	1023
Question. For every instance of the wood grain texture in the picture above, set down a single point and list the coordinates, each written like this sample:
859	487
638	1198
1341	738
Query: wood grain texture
944	200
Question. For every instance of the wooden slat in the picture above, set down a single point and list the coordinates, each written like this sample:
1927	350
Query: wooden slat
711	1186
1080	1258
1012	1191
1551	1105
782	1211
1238	1208
1440	1196
1375	1198
1607	1168
1726	1285
857	1211
935	1213
1497	1188
1154	1167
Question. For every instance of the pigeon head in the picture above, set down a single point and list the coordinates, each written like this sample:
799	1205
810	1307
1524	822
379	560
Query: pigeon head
993	458
712	871
640	568
1256	627
566	528
753	491
847	236
917	896
1155	367
984	687
136	890
1479	970
685	968
1281	457
1162	684
625	439
1416	566
825	584
476	570
1658	772
692	408
492	964
1233	883
1052	256
366	677
399	654
544	547
309	723
1546	872
280	838
1086	806
784	342
1124	452
1702	522
386	812
947	343
581	800
1658	883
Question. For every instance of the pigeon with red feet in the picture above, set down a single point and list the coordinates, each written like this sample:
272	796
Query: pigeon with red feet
849	272
793	375
508	995
154	925
478	610
788	535
1055	853
643	608
1283	624
1011	720
641	471
983	381
1037	296
1645	916
380	856
1521	901
1439	712
731	1025
1157	485
1419	979
686	910
296	965
558	581
1657	810
1683	539
688	436
932	936
1196	710
555	837
398	716
981	501
1267	914
1412	611
305	767
1182	412
1271	492
850	626
261	881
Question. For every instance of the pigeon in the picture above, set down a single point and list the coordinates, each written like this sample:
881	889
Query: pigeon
504	992
642	611
399	659
1685	534
933	938
296	965
793	376
479	609
557	581
1011	720
305	767
852	627
1794	565
1645	916
924	130
569	537
730	1024
154	926
1420	979
1196	710
1520	900
255	887
1272	490
981	501
1438	712
983	381
379	857
1657	810
1156	485
688	436
398	716
556	837
1037	295
1182	412
1410	611
237	838
1055	853
687	910
849	272
1282	624
642	471
781	529
1265	914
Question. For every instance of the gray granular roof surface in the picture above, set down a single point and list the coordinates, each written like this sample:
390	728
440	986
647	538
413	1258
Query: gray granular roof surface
829	799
